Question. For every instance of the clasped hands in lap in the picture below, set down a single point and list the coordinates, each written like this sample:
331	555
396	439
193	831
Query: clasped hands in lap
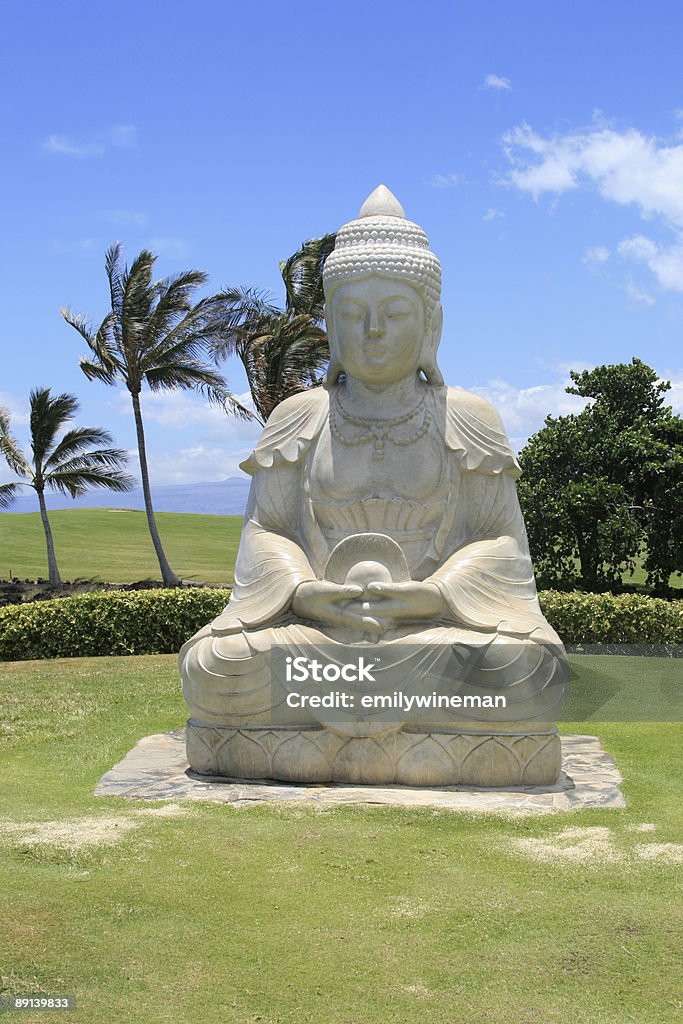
373	608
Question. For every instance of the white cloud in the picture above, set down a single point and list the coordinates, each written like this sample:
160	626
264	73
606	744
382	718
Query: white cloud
674	397
178	410
211	449
668	266
122	136
595	255
125	217
625	167
443	180
637	296
196	465
168	246
64	146
638	247
61	248
665	261
118	136
497	82
18	410
493	214
17	407
523	410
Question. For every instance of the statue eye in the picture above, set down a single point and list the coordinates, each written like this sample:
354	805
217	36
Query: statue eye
351	314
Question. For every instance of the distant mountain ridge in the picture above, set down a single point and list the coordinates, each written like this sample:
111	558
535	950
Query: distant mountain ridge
222	498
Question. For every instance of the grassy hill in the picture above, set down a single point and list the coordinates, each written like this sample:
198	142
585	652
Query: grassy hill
114	545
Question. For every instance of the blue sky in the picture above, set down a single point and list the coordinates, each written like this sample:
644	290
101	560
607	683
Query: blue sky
539	144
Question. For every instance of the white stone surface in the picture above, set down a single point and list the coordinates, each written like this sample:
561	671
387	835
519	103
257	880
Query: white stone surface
383	449
157	769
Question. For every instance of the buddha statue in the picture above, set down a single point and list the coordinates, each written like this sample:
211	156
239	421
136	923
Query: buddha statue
382	524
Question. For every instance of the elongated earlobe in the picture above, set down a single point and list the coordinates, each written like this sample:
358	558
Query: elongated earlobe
332	374
428	360
432	373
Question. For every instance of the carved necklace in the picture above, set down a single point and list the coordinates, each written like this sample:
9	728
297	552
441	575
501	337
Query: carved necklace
376	430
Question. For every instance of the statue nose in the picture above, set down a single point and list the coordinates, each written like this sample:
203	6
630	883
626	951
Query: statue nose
374	328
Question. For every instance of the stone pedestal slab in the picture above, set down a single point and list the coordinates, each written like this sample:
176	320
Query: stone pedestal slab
406	758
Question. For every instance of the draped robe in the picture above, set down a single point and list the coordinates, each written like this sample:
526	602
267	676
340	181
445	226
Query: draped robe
477	556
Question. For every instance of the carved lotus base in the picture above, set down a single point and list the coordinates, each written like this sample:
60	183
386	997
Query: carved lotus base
315	755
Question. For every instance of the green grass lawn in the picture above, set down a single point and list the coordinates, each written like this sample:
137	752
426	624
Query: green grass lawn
330	915
114	545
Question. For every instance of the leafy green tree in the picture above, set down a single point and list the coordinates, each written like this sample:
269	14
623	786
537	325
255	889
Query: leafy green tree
282	350
154	334
601	485
70	465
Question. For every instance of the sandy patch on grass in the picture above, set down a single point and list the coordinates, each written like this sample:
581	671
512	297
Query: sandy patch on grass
670	853
165	811
75	834
577	845
88	832
406	907
421	991
595	845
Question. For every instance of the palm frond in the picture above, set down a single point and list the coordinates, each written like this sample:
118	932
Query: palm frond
139	296
173	306
9	448
98	458
48	414
139	293
77	482
80	323
94	371
241	312
302	275
185	376
74	442
113	269
8	493
230	403
101	342
188	339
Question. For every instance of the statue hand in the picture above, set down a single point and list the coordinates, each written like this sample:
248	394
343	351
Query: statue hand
413	599
336	603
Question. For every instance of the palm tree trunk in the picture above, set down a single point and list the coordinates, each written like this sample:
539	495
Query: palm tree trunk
168	576
52	570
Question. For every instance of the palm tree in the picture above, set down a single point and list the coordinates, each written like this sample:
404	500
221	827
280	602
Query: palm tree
282	350
153	334
303	276
71	465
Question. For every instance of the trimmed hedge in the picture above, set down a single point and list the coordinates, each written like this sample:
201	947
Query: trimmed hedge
613	618
115	622
160	621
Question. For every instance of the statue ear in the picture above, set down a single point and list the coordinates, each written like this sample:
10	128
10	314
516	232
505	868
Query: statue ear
334	368
332	374
428	361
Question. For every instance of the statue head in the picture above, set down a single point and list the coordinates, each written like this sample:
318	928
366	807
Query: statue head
382	244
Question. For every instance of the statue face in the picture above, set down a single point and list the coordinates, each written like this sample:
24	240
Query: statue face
377	328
